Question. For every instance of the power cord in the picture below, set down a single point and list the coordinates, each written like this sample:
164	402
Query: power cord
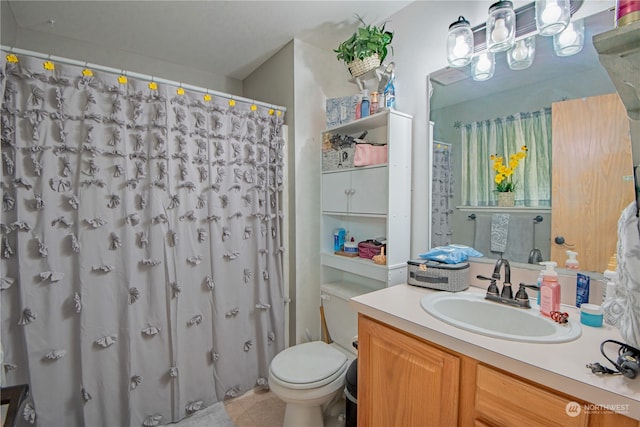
627	363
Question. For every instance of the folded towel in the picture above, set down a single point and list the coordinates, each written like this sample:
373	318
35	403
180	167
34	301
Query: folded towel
499	232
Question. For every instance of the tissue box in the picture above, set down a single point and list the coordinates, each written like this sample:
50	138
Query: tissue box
438	275
341	110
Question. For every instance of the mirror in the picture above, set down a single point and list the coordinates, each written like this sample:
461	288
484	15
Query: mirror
457	99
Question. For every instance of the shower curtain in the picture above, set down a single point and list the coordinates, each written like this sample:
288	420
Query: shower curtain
442	187
142	245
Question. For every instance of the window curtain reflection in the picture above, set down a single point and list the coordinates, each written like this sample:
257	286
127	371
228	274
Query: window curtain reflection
142	246
505	136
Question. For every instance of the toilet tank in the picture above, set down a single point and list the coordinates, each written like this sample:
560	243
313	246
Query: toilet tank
342	319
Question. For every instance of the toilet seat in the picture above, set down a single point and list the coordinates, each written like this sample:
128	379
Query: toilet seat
308	365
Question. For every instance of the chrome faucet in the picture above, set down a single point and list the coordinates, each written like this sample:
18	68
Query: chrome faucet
506	295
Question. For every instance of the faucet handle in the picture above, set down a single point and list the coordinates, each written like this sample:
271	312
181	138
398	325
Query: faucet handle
493	287
522	295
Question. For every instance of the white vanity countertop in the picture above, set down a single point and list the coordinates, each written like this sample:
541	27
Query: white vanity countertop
560	366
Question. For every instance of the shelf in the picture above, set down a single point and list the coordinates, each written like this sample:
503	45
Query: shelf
501	209
355	215
378	119
356	168
359	266
619	51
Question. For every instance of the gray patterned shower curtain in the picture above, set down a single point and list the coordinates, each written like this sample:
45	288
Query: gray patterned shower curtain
142	248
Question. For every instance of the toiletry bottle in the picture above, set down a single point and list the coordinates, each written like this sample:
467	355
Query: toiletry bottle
539	283
608	304
610	275
374	103
550	290
572	263
364	105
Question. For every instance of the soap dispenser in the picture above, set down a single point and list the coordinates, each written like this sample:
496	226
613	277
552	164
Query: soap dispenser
572	262
549	290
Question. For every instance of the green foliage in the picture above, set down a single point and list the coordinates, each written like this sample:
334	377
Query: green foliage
366	41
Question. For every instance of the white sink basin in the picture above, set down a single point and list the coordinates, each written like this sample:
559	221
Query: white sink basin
473	313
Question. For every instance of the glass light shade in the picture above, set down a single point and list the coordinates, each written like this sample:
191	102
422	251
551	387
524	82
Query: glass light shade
552	16
460	43
501	27
483	66
571	40
521	55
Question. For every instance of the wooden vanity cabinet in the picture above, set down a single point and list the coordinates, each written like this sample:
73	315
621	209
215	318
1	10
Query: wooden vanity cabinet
405	381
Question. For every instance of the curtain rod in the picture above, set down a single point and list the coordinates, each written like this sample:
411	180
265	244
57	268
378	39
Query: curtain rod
146	77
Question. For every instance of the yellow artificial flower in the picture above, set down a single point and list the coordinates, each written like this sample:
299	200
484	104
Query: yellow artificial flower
207	97
232	102
504	173
87	72
271	111
180	91
122	80
153	85
48	65
12	58
254	107
278	113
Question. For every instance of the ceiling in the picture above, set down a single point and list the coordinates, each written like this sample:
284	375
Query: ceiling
227	38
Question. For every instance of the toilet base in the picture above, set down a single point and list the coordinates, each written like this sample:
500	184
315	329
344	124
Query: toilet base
299	415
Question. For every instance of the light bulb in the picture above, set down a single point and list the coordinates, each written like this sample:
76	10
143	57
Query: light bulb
484	64
520	52
551	13
500	32
568	36
461	48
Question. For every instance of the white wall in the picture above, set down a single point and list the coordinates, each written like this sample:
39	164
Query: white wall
116	58
8	25
273	82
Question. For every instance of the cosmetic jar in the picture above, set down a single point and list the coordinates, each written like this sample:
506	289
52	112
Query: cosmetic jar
591	315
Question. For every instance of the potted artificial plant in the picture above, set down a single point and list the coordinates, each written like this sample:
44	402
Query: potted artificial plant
365	49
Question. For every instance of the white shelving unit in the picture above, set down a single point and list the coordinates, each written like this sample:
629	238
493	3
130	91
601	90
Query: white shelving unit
369	202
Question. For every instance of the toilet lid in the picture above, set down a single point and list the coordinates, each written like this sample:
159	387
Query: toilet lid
308	363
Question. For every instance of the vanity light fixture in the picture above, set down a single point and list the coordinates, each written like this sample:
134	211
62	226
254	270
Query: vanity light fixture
483	66
460	43
501	34
521	55
501	26
552	16
571	40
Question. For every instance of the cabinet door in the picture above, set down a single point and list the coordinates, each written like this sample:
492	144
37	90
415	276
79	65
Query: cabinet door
336	188
501	400
403	381
369	190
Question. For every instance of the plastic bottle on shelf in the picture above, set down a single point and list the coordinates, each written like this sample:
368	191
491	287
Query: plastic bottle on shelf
572	262
364	104
375	103
549	290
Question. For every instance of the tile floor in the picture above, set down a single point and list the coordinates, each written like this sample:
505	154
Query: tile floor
261	408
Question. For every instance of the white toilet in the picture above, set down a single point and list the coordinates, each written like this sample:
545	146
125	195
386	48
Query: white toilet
309	375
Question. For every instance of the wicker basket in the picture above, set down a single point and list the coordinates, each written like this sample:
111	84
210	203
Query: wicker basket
361	66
